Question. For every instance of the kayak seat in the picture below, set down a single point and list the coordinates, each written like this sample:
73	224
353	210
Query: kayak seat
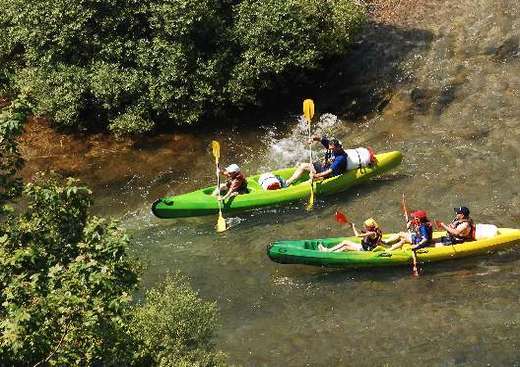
253	186
310	245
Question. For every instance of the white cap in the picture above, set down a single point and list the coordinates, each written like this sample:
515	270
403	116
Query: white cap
232	168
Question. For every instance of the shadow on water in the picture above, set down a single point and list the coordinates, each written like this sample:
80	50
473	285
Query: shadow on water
360	83
492	264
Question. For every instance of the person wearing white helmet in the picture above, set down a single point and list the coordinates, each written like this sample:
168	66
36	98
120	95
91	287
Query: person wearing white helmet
236	182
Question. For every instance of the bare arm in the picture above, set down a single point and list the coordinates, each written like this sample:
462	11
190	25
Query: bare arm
322	174
459	231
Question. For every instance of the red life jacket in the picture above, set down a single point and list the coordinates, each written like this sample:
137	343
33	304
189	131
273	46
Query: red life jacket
239	183
472	229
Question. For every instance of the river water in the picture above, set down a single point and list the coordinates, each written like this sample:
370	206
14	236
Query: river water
452	107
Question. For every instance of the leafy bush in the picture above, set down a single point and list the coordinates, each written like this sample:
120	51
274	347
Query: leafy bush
154	61
66	280
175	327
12	119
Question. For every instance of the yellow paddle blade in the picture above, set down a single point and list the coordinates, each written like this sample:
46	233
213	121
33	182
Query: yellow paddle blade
311	199
308	109
221	223
215	146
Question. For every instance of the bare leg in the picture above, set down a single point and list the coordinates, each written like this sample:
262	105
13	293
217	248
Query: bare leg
343	246
392	239
299	171
404	237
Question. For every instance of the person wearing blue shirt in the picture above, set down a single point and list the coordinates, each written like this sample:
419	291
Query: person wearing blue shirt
420	234
334	164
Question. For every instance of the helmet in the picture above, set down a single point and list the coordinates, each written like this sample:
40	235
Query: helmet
462	210
371	223
419	214
233	168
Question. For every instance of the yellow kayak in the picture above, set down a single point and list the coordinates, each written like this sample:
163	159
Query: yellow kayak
306	251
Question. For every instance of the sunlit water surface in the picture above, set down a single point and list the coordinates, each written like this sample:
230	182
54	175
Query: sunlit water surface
456	118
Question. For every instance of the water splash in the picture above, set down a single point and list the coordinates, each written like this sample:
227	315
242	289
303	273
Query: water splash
293	148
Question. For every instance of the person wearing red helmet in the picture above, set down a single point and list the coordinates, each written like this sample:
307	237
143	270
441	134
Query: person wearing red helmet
420	232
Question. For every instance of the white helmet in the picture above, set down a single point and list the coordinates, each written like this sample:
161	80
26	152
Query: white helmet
233	168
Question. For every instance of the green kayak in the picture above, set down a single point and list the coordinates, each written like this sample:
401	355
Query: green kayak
306	251
201	202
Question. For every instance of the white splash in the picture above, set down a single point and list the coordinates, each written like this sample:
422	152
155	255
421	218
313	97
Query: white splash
290	150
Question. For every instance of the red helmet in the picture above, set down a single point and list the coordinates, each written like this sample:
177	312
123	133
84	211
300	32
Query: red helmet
419	214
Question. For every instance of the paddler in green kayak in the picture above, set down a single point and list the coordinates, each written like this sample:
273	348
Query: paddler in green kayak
371	237
236	183
334	164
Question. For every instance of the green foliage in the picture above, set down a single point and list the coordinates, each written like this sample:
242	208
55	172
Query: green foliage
66	280
12	119
175	327
131	64
280	39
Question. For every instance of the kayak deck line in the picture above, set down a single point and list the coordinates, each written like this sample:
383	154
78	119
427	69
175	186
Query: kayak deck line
202	202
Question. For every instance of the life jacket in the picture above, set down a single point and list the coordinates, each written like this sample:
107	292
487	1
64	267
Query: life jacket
242	189
429	230
471	234
370	243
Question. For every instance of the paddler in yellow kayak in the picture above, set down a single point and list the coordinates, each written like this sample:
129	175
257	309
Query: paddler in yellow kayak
461	229
371	237
420	232
334	164
236	183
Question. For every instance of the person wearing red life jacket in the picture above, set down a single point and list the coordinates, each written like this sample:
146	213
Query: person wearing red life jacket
236	183
420	232
461	229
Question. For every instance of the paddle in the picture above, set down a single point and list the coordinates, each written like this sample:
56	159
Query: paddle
415	272
308	113
341	218
221	222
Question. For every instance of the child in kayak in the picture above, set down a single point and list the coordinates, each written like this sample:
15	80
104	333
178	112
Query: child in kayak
334	164
235	185
461	229
371	237
420	232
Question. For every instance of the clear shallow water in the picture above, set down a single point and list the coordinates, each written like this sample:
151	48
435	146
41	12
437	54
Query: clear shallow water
455	115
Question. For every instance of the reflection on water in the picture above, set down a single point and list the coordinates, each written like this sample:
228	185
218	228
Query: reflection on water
455	117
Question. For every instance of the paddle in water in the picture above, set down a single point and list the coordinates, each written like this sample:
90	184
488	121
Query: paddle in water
221	222
415	271
308	113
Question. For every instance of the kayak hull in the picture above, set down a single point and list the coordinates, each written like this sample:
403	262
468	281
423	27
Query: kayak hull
306	252
201	202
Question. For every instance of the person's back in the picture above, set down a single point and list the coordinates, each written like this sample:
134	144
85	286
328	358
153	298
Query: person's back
423	235
235	185
375	235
